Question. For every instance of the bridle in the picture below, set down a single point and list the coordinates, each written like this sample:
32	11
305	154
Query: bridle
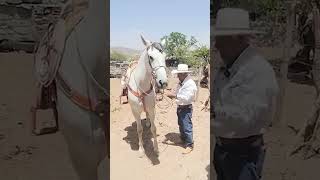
153	69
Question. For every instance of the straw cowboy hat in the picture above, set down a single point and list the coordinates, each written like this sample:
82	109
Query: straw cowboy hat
233	21
182	68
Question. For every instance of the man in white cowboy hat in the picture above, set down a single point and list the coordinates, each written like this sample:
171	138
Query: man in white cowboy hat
244	93
184	95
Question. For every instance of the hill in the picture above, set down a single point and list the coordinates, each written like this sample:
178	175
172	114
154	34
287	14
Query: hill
126	51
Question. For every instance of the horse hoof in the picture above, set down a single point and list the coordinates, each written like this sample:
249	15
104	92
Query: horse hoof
148	124
157	153
141	154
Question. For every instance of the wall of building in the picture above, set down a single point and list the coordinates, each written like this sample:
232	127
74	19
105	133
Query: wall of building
23	22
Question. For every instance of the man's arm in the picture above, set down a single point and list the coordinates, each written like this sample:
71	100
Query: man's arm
170	94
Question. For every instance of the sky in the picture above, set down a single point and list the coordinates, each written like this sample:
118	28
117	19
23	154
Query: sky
157	18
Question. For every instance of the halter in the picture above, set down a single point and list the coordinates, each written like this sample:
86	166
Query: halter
160	49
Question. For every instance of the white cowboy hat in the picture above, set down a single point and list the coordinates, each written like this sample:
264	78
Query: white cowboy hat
233	21
182	68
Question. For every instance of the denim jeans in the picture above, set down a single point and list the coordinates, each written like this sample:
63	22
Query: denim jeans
185	125
238	162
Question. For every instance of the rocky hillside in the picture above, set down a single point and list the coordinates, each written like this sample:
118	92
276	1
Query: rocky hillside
23	22
125	51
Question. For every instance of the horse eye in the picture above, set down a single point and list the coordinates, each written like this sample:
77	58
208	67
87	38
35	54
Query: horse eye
151	58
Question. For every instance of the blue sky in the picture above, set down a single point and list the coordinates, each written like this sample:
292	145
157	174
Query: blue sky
156	18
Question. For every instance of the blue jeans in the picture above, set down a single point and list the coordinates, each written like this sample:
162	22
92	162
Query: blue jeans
238	162
185	125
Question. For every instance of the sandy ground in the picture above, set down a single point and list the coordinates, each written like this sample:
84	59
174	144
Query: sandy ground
171	163
23	156
26	157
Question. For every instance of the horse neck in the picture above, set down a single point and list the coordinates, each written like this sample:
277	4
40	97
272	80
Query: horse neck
143	75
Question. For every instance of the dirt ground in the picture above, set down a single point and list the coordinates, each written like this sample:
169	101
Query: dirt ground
26	157
23	156
171	163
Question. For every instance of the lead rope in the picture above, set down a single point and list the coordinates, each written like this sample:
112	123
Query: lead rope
168	100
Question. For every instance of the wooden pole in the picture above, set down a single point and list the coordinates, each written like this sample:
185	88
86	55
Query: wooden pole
199	78
284	64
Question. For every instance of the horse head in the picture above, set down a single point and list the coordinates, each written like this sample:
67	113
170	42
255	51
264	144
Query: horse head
156	61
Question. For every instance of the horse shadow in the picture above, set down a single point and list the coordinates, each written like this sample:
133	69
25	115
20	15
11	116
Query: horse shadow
173	139
132	139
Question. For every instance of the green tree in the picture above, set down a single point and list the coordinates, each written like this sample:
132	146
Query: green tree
199	56
178	46
202	53
116	56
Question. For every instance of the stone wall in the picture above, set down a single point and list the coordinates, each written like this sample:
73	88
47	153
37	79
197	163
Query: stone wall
23	22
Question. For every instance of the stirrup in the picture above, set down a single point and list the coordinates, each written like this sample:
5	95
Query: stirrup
46	130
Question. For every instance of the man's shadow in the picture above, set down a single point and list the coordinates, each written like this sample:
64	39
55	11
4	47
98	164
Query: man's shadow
173	139
132	139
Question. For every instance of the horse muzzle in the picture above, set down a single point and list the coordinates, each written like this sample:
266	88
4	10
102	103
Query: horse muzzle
163	84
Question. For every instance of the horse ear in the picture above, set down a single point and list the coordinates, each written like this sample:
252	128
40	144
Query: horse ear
144	41
163	42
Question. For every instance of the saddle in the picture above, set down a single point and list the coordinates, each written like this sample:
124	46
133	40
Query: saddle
125	79
126	88
47	60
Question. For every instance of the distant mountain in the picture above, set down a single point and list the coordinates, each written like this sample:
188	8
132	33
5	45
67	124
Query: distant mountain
126	51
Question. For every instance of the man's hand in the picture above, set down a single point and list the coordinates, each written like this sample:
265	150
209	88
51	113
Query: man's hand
170	94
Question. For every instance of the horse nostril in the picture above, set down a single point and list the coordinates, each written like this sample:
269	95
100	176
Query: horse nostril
163	85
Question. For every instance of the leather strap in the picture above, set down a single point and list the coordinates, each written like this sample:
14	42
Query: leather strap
141	95
137	94
82	101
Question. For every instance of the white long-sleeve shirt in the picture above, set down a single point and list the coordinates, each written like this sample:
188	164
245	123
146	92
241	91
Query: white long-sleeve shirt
243	103
186	91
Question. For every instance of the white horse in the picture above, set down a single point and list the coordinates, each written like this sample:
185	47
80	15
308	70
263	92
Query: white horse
83	67
141	93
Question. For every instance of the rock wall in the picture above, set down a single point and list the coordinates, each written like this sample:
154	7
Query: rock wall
23	22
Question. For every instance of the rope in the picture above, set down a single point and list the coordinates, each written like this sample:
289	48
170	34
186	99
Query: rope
168	100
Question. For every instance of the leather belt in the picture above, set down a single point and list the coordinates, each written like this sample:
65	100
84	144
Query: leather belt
255	140
185	106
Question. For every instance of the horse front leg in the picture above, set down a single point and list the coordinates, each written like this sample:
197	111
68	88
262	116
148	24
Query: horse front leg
139	131
154	131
